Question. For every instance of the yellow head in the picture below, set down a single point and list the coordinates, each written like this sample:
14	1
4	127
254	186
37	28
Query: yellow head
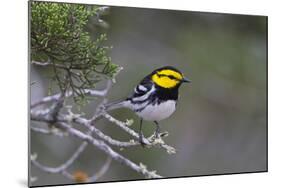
168	77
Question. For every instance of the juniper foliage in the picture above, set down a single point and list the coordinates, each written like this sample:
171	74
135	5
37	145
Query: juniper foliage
59	40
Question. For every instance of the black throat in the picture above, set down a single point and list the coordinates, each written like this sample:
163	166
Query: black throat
167	93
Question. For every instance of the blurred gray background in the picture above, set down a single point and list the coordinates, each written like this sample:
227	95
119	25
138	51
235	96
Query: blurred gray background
220	125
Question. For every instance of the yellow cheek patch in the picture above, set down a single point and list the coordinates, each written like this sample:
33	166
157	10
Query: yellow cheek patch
164	81
169	72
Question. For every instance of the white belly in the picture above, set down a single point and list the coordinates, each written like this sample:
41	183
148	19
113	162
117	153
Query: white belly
158	112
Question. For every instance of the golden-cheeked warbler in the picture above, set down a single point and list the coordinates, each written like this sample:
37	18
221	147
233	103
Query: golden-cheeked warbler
155	97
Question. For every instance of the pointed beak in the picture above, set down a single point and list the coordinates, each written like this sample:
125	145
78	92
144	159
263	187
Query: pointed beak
185	80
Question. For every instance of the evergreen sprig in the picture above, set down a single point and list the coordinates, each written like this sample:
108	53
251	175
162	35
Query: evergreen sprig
59	39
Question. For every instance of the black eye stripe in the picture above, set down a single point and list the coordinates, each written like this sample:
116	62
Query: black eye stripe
169	76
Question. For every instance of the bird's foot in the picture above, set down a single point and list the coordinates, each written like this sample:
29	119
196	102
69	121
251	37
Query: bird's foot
141	140
156	138
158	141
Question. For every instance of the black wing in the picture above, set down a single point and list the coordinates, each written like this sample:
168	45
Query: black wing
142	88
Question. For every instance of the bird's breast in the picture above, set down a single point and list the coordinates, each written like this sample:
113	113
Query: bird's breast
157	112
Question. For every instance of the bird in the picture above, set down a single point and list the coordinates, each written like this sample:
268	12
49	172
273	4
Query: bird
154	98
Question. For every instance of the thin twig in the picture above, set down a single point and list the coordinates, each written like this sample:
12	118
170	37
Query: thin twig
100	145
148	142
47	131
102	170
62	168
109	151
63	121
122	125
48	63
101	135
65	165
36	116
55	109
51	170
87	124
67	174
89	92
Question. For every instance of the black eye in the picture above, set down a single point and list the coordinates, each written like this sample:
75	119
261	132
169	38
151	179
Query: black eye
172	77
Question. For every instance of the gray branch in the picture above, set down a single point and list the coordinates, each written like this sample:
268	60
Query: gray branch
88	124
49	131
102	170
89	92
109	151
68	121
98	143
65	165
149	142
152	141
62	168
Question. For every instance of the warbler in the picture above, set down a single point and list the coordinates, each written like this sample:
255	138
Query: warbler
154	98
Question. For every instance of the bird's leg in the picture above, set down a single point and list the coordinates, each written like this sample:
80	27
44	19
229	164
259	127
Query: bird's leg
141	134
157	130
